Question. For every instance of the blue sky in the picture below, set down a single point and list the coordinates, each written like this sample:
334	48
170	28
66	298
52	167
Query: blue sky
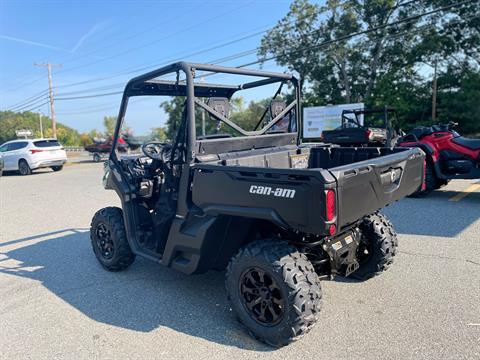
103	43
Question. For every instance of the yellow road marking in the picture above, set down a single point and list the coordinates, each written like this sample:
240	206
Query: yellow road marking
465	192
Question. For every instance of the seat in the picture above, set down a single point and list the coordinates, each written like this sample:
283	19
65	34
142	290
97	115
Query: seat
473	144
220	105
421	131
276	107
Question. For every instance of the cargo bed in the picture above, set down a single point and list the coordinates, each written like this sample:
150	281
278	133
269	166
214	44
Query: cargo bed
364	180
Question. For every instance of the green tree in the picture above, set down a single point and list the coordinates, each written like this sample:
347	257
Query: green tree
384	65
109	123
159	134
174	109
12	121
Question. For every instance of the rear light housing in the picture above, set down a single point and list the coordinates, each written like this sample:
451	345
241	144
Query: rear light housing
424	182
330	204
34	151
368	134
332	229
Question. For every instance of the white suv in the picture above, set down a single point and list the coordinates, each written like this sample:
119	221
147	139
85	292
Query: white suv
30	154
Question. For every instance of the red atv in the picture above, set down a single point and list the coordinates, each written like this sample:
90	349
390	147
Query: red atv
449	155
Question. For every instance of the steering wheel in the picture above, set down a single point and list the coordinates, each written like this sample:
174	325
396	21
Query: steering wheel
156	150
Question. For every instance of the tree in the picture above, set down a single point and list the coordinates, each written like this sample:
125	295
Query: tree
385	64
11	121
109	123
159	134
174	110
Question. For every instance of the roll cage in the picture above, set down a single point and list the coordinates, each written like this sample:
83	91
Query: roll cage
386	111
149	85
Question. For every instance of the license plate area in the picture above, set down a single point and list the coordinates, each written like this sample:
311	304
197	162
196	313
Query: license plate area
343	253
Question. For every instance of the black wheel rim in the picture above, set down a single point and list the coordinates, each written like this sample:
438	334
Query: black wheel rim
104	241
261	296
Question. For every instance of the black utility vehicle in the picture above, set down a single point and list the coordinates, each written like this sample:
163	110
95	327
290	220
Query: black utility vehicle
376	129
277	214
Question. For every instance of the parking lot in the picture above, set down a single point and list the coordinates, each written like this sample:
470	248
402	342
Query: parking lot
57	302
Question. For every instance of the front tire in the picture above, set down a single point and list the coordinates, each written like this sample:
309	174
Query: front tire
24	168
109	239
274	291
377	247
57	168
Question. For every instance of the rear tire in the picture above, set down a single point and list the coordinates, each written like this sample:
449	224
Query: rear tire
57	168
109	239
24	168
377	248
432	182
274	291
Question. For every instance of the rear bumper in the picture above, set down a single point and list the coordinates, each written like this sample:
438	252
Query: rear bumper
47	163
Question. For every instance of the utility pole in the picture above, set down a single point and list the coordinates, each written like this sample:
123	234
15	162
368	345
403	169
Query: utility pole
40	121
434	91
49	67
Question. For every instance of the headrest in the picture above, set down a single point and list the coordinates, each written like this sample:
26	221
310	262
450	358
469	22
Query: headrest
220	105
276	107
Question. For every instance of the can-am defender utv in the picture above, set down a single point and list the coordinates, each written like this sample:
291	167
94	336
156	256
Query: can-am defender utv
376	129
276	214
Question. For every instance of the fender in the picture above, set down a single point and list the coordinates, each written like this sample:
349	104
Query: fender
430	155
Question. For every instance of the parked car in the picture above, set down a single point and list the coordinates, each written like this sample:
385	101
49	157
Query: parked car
26	155
1	164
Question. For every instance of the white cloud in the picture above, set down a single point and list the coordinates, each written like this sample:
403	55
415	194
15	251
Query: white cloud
24	41
93	30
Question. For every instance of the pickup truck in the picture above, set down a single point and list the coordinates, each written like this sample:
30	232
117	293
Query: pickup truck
276	213
101	148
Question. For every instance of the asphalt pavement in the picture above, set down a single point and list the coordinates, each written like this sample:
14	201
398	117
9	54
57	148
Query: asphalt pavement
57	302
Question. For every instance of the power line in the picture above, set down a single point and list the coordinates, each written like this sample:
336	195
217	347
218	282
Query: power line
29	105
30	101
33	97
325	43
188	55
252	51
32	107
63	58
90	96
363	32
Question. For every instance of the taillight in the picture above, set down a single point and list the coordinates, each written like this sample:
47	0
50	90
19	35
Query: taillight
330	204
34	151
368	134
332	229
424	183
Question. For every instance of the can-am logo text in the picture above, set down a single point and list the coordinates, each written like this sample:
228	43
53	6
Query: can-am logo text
267	190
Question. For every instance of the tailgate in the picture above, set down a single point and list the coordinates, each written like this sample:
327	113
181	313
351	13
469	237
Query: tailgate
366	186
344	136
